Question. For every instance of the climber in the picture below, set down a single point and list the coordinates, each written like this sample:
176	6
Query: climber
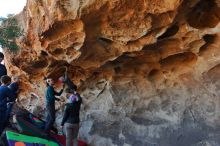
14	86
50	103
3	70
15	89
72	95
66	80
71	117
6	95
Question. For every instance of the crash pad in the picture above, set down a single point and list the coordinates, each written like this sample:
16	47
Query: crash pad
31	128
33	119
26	127
16	139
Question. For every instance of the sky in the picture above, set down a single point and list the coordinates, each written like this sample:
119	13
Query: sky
11	7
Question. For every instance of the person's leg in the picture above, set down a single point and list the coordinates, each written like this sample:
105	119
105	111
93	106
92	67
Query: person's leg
47	119
75	135
69	134
75	142
8	113
53	118
9	110
50	118
3	117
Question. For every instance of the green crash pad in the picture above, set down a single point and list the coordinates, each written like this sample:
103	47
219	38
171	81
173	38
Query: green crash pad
14	138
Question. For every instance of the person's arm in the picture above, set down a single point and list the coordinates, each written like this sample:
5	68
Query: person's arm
65	74
17	88
78	95
5	70
17	91
80	98
65	116
11	96
57	99
58	93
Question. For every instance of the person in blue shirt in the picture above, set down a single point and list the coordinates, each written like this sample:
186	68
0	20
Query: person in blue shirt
71	118
6	95
3	70
14	86
50	104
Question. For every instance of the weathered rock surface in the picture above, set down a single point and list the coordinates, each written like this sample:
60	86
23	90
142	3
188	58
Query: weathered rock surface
148	70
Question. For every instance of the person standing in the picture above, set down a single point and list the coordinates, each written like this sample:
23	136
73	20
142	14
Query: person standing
50	104
71	117
14	86
6	95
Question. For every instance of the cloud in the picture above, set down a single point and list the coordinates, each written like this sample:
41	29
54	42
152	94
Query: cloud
11	7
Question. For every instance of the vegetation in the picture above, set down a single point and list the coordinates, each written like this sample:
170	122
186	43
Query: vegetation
9	31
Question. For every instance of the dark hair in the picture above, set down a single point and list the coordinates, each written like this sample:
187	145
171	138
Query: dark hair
45	80
1	55
5	79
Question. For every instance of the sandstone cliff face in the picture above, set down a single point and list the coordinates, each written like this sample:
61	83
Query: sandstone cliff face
148	70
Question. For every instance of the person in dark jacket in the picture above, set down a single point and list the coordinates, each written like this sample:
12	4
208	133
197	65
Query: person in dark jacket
14	86
71	117
6	95
50	104
3	70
